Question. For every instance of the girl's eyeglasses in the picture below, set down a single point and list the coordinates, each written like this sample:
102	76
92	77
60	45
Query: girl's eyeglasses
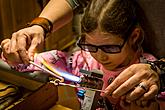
107	48
93	48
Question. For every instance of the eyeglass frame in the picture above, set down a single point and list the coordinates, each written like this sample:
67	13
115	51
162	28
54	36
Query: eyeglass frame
99	47
127	34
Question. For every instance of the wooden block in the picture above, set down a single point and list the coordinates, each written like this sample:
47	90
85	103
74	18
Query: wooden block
42	99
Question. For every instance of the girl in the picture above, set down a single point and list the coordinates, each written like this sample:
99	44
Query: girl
111	41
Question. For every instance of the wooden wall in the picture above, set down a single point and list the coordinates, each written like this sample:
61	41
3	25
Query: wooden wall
15	14
155	30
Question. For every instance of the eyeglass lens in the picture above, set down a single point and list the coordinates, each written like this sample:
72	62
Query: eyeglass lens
93	48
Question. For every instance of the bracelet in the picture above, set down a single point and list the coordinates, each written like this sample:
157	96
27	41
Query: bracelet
73	3
153	66
44	23
161	65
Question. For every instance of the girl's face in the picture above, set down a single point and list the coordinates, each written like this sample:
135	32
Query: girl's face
110	61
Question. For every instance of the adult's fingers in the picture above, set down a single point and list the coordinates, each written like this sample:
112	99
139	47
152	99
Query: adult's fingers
36	42
5	46
19	44
13	43
12	58
4	42
22	45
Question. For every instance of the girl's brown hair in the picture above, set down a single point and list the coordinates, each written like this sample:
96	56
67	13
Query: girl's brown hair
112	16
118	17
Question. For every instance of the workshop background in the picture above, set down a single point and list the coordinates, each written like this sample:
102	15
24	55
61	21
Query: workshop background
15	14
14	86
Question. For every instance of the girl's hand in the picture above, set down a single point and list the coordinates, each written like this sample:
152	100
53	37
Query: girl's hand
153	105
127	84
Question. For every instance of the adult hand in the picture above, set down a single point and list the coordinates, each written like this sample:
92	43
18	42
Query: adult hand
11	58
24	43
127	84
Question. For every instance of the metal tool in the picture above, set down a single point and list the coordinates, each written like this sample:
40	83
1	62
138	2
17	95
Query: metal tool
47	71
75	86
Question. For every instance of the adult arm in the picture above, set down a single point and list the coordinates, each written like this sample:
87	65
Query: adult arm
25	42
59	12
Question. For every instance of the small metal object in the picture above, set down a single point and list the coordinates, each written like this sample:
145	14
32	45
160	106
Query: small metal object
110	80
81	93
75	86
144	87
91	79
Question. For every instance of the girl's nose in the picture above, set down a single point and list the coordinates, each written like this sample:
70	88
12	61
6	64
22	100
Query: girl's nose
102	55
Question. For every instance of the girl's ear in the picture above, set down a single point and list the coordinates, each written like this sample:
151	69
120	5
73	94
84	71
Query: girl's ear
136	39
135	36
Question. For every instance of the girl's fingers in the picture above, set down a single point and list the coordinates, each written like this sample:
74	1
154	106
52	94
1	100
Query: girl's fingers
137	92
152	92
124	76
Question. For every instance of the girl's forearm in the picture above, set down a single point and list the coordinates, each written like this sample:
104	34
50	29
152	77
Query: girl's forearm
59	12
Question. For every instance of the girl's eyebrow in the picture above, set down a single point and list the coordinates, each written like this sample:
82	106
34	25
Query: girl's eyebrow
103	33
